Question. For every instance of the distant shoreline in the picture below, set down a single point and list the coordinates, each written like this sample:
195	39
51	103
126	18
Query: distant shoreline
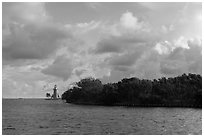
23	98
140	105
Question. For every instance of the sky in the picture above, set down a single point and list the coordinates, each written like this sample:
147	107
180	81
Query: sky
44	44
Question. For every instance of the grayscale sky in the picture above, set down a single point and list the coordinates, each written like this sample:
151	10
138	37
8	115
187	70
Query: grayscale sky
59	43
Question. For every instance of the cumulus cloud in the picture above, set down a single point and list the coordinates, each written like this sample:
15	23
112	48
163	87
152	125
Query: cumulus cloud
128	21
163	47
145	54
181	42
119	44
24	12
108	46
32	42
183	60
125	35
29	34
150	63
62	67
128	58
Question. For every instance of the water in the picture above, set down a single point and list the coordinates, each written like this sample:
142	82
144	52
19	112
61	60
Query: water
38	116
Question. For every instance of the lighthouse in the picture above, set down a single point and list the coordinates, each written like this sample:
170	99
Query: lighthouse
55	92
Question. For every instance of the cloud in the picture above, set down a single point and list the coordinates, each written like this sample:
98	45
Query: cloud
150	63
107	46
86	27
79	72
126	44
129	24
114	76
145	54
28	33
167	29
118	44
163	47
173	67
62	67
145	66
128	21
181	42
183	60
22	81
30	12
129	32
128	58
94	5
32	42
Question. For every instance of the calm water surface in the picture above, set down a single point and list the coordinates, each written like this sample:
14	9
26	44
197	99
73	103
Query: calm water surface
38	116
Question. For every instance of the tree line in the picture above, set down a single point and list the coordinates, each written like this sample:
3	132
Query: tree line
180	91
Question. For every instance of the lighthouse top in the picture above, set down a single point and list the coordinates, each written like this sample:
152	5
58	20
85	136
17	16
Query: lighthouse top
55	87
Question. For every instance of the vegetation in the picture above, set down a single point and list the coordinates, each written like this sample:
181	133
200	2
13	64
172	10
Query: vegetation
181	91
48	95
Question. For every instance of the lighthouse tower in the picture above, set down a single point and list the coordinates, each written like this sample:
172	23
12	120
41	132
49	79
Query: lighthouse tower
55	92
